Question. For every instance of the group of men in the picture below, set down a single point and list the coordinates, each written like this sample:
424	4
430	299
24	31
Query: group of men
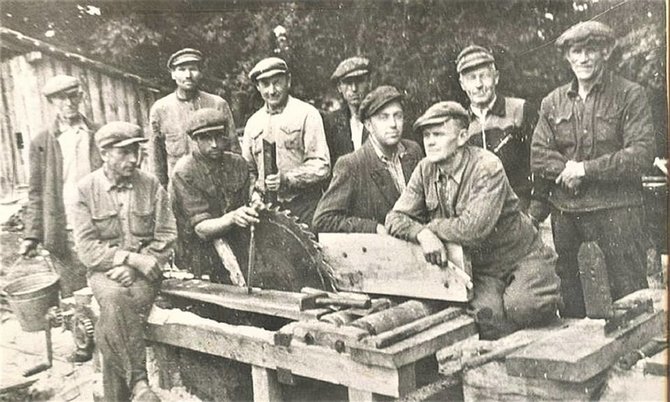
489	176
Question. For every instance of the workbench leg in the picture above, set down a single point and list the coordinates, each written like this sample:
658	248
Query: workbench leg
406	384
266	386
356	395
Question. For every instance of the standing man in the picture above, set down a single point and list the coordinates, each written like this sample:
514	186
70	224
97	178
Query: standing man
124	232
345	132
208	192
460	194
294	130
593	140
367	182
500	124
170	114
59	157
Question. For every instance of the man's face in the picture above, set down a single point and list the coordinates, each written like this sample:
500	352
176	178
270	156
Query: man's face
212	144
441	141
587	60
66	104
386	125
187	75
121	161
479	84
354	89
274	90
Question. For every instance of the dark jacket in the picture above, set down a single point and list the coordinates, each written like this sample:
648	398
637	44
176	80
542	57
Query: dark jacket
362	191
45	214
338	133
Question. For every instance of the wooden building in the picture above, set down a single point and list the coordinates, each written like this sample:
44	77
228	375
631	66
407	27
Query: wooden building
25	65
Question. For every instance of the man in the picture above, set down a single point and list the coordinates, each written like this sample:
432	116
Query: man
345	131
59	157
460	194
593	140
500	124
169	115
367	182
124	231
291	129
208	192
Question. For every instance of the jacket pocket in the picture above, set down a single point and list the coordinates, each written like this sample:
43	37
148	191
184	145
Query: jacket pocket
175	144
563	124
142	223
107	225
606	129
291	138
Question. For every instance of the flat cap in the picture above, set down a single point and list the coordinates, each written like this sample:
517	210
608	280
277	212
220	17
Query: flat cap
118	134
376	99
206	120
439	113
473	56
351	67
60	83
267	68
186	55
585	31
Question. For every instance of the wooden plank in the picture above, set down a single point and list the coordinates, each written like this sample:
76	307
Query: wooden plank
270	302
371	263
20	111
328	335
121	103
490	382
108	96
266	387
657	364
593	277
95	96
85	107
416	347
255	346
582	351
131	103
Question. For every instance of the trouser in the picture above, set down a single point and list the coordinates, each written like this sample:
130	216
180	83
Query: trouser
119	332
618	232
523	294
303	206
72	272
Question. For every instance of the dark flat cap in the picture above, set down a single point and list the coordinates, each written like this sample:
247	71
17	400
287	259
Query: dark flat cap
60	83
439	113
186	55
267	68
585	31
206	120
376	99
118	134
473	56
351	67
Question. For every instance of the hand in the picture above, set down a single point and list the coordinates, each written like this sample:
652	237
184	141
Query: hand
243	216
273	182
123	274
256	201
572	175
433	248
381	229
28	248
146	264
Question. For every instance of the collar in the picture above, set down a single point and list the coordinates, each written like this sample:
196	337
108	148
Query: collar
108	185
196	94
399	152
274	112
454	170
600	84
496	106
64	126
83	123
209	164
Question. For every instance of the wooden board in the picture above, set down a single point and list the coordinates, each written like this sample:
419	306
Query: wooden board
380	264
657	364
582	351
269	302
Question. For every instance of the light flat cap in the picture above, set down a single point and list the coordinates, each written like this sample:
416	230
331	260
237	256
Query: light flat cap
267	68
118	134
376	99
60	83
584	32
351	67
473	56
206	120
439	113
186	55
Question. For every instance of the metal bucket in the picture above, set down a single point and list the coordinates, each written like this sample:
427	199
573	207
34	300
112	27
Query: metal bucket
30	297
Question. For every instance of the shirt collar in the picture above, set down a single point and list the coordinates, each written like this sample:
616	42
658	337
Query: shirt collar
108	185
399	153
452	170
601	83
492	107
182	98
274	112
208	163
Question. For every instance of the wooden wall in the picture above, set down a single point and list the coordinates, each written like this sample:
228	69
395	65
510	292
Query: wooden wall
108	96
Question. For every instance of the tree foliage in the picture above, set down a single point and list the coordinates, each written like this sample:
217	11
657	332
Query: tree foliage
413	43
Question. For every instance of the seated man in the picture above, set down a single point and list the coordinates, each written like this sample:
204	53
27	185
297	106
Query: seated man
461	194
208	192
367	182
124	230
